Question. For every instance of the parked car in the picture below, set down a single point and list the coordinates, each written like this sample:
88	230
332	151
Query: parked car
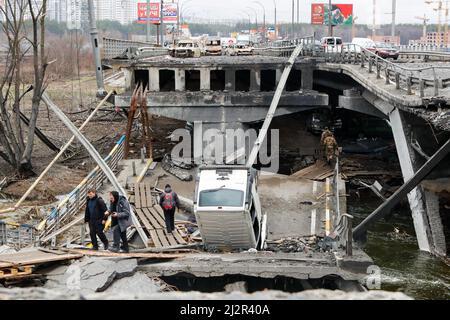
185	49
386	50
364	43
332	44
213	47
240	49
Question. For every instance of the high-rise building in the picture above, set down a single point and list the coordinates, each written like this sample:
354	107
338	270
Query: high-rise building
123	11
57	10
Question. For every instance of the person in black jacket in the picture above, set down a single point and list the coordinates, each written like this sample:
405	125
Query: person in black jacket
95	216
120	212
169	202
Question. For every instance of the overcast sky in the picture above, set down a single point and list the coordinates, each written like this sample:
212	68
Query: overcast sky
225	9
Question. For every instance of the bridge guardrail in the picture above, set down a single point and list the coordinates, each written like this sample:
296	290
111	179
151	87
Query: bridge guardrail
408	79
113	48
72	204
405	78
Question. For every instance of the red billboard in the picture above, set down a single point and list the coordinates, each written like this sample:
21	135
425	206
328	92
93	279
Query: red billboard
170	13
341	14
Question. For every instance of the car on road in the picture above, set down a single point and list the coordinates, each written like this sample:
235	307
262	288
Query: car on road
240	49
213	47
185	49
331	44
386	50
364	43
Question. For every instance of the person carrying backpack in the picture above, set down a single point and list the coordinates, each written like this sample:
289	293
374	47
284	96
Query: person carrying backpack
168	202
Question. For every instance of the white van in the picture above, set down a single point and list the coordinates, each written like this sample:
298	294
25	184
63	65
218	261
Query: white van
228	209
365	43
331	44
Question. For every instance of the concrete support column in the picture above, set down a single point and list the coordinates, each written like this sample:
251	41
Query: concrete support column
180	80
416	197
307	78
154	79
278	74
205	79
230	79
255	80
434	218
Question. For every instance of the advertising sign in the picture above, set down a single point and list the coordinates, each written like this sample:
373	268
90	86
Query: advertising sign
341	14
170	12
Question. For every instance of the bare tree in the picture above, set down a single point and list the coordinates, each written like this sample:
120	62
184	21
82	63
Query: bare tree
16	143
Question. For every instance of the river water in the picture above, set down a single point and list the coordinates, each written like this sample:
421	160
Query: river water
404	268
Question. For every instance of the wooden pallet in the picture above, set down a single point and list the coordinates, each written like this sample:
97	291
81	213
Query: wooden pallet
152	219
15	272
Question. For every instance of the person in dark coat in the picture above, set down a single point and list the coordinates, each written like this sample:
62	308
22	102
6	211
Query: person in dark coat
95	216
120	212
169	202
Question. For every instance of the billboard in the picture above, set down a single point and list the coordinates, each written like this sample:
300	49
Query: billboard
170	13
341	14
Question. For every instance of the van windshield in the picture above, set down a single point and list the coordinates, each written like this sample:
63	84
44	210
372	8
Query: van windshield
221	198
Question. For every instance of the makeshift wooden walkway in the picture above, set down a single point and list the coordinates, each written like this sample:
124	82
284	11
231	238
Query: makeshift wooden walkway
21	264
151	217
318	171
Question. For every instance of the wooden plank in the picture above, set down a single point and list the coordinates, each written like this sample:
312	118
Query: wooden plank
144	219
160	211
127	255
155	239
149	195
178	237
143	196
32	258
155	223
171	239
137	196
162	238
157	216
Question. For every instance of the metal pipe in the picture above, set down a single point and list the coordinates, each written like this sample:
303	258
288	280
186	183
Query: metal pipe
97	158
148	22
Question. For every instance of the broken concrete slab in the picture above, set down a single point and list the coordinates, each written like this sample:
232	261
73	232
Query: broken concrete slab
90	274
139	284
320	294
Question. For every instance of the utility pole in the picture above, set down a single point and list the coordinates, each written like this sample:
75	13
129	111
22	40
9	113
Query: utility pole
374	32
162	23
101	92
425	20
264	18
293	17
394	9
275	19
148	22
330	26
354	27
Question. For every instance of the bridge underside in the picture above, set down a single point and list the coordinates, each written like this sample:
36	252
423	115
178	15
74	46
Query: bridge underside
214	106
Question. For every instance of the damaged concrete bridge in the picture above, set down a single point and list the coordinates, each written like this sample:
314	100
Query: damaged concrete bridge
412	96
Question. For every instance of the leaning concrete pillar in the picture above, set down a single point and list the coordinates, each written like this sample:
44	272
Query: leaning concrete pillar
154	79
416	197
180	80
205	79
255	80
307	78
435	220
230	79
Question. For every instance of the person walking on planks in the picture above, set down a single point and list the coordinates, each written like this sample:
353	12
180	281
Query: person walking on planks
120	212
94	216
169	202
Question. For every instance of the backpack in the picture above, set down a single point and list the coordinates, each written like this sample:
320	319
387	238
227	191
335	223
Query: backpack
168	202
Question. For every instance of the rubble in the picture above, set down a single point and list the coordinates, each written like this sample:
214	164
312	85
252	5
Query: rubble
171	167
320	294
91	274
6	250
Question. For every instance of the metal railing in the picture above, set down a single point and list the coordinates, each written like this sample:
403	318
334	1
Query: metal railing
113	48
411	80
285	48
17	236
68	208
